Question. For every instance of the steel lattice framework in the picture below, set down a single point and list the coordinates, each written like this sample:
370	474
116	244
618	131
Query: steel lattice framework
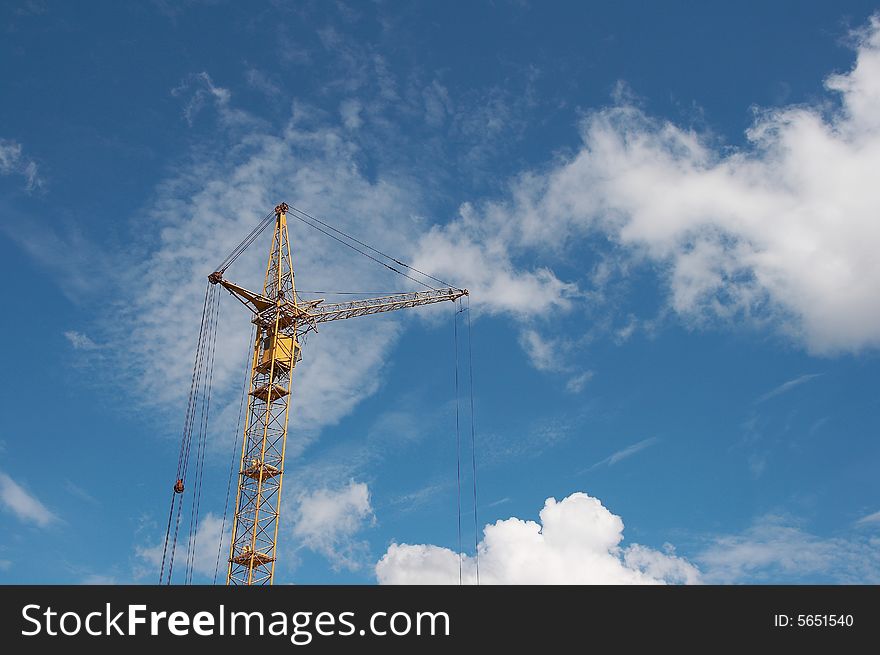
281	320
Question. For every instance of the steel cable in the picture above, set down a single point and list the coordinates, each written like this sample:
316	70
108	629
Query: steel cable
378	252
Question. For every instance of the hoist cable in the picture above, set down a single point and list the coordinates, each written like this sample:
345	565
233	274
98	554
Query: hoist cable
167	534
207	414
457	437
174	543
197	395
473	440
192	387
183	456
203	436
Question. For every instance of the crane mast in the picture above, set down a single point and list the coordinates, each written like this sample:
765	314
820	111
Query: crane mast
258	501
281	319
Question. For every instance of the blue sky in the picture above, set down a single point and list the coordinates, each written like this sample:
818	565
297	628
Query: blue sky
666	216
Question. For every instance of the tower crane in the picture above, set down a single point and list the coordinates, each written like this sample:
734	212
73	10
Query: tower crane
281	320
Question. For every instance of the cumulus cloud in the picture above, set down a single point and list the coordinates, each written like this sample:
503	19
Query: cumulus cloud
327	521
13	162
24	505
576	542
782	231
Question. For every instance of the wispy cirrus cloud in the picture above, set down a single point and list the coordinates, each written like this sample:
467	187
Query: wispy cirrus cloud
870	519
24	505
785	387
624	453
554	355
779	549
80	341
14	162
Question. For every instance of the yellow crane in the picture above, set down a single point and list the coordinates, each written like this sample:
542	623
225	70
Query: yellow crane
281	319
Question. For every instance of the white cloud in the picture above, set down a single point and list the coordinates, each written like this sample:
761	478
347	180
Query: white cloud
468	250
576	542
31	8
623	453
544	354
13	162
350	110
666	566
577	383
75	490
199	90
259	81
788	386
775	549
80	341
437	103
327	521
83	269
782	231
205	542
870	519
554	355
23	505
99	579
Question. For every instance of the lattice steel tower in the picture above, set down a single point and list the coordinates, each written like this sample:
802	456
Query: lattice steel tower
281	319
